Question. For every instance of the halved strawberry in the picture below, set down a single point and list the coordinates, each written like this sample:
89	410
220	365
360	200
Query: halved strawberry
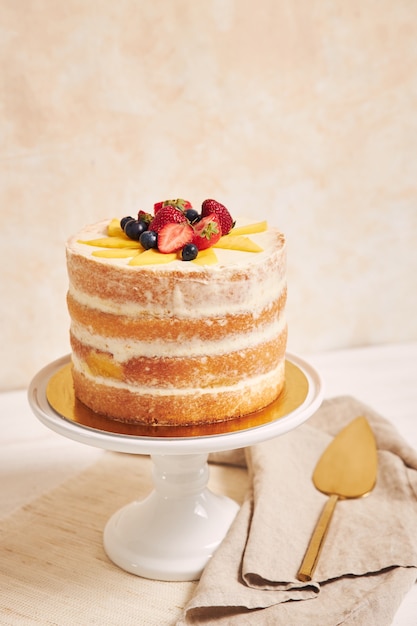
207	232
179	202
173	237
168	214
212	206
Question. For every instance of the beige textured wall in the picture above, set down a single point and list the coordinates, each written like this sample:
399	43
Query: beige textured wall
304	112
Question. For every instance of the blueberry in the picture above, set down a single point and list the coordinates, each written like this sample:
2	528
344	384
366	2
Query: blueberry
149	239
189	252
124	221
134	229
192	215
144	224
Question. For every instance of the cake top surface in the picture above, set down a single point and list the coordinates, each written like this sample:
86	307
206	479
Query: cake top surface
173	239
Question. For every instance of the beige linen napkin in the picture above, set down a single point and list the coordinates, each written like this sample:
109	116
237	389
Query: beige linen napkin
369	559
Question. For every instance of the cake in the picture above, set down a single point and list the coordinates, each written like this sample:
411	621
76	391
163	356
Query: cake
159	340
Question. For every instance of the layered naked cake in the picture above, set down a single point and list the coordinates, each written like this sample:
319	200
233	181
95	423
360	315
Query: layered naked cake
159	340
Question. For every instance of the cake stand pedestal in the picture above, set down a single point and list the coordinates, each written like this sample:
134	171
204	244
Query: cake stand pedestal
171	534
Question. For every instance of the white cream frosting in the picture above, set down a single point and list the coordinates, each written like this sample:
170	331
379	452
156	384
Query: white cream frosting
125	349
255	300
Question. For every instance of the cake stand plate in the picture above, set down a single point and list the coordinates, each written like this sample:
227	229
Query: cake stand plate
171	534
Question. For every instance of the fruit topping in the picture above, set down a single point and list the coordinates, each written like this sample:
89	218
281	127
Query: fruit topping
207	232
145	217
125	220
179	203
103	365
192	215
153	257
176	231
189	252
206	257
114	229
134	229
238	242
173	237
225	219
111	242
250	229
168	214
149	239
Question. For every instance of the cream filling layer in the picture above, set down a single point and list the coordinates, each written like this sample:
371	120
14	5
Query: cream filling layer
125	349
256	299
254	381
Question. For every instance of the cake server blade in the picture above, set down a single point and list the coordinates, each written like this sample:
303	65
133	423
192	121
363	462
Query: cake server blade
346	469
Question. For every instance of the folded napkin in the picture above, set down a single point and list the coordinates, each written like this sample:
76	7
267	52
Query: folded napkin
368	561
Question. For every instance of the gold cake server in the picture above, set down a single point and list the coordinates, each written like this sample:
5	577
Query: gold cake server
346	469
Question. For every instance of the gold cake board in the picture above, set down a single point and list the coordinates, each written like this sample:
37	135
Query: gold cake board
61	397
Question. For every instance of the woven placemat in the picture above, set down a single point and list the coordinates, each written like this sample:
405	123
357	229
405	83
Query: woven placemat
53	569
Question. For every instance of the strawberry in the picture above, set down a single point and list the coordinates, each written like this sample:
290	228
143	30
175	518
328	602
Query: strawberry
173	237
157	206
179	203
168	214
144	217
207	232
212	206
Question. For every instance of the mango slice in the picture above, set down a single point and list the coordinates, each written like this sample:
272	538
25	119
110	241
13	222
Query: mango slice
116	253
114	229
119	246
250	229
206	257
232	242
152	257
103	365
112	242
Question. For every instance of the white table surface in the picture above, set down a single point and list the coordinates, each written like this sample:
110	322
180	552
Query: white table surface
34	459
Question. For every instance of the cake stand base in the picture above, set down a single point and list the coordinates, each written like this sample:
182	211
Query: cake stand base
172	534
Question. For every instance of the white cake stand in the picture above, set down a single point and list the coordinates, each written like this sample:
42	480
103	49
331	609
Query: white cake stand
171	534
